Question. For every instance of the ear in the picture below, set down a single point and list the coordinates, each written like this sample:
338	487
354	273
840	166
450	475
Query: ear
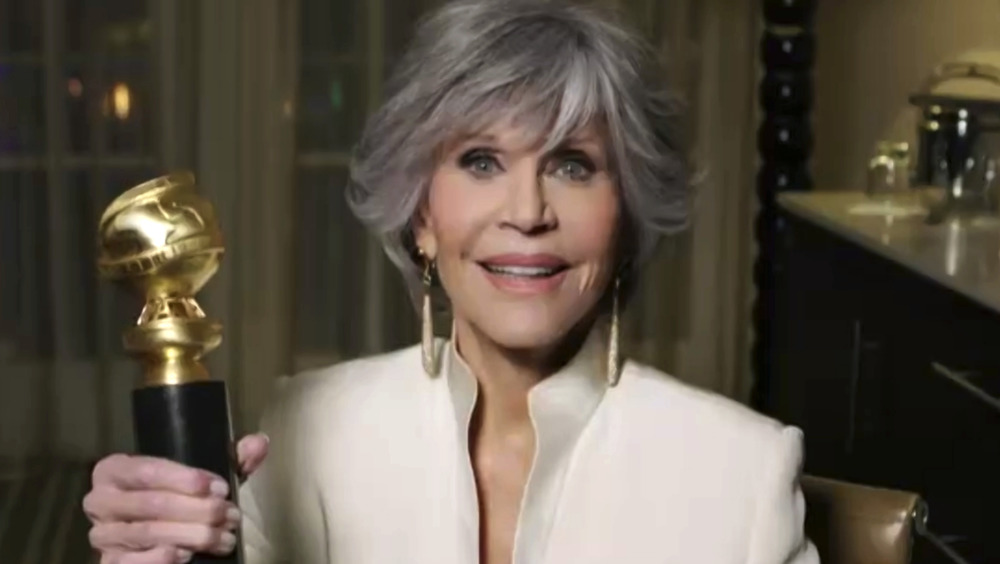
423	234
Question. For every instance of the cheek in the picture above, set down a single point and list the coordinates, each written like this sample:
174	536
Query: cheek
457	215
594	232
589	277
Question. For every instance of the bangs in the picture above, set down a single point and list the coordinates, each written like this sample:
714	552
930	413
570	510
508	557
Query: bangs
549	89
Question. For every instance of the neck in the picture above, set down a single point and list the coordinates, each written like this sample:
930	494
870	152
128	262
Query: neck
506	376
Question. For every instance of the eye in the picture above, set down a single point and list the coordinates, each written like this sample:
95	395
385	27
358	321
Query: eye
480	162
573	169
574	166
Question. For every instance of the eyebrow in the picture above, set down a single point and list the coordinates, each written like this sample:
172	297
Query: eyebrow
582	140
585	140
481	137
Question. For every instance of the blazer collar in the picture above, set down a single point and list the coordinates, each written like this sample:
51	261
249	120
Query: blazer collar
561	404
560	407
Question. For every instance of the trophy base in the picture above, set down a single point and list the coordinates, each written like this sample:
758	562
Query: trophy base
190	424
172	347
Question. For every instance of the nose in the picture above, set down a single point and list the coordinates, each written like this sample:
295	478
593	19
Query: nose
528	209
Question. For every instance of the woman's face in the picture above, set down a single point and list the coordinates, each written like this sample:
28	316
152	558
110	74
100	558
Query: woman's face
524	240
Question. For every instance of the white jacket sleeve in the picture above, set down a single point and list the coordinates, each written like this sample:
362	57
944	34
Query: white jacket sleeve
778	531
261	496
256	545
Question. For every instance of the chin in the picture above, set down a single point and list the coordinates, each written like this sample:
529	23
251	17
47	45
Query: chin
520	340
526	332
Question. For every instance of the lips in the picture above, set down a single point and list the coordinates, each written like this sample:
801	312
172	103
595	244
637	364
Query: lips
532	266
525	273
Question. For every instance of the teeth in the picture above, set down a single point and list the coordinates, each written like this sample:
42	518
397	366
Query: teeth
526	271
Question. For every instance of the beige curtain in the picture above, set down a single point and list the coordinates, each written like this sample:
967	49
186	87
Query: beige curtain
693	320
246	167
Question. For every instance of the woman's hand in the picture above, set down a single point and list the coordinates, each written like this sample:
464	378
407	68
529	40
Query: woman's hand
153	511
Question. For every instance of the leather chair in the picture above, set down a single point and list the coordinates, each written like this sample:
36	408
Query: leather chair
855	524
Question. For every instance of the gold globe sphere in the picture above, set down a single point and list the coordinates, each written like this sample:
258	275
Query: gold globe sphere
161	237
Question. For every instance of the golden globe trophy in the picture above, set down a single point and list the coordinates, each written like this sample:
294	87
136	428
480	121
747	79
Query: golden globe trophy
162	239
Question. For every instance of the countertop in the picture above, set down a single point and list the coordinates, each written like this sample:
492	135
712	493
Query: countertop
962	254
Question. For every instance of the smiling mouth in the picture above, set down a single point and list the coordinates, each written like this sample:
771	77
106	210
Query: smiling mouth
519	271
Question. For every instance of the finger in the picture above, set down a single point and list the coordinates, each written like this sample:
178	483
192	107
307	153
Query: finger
158	555
106	504
251	451
147	536
126	472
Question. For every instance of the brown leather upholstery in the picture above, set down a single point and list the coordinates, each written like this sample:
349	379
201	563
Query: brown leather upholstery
855	524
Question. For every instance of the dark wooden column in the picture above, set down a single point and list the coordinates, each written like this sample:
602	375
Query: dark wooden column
784	143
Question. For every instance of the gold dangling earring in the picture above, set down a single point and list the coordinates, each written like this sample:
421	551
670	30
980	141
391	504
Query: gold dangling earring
428	347
614	355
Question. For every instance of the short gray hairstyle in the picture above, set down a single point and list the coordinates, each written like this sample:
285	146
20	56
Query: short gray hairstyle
561	65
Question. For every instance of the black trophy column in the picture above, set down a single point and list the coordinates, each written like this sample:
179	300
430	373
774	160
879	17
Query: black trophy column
784	142
190	423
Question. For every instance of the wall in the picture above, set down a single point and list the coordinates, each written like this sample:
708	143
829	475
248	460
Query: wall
872	55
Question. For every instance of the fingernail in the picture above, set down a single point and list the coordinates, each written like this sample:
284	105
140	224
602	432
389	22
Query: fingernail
184	556
228	542
219	488
233	516
267	440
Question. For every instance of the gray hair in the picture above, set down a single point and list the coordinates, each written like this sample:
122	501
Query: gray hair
562	66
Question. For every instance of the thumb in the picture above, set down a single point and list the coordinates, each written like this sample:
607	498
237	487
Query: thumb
251	451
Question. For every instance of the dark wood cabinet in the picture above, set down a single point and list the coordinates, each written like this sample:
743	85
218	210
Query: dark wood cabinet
892	376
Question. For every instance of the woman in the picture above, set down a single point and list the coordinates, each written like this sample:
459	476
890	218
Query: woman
526	160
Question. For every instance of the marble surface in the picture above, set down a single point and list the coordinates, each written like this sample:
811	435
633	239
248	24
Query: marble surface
961	253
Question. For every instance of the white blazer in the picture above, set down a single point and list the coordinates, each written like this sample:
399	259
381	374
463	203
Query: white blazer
369	464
